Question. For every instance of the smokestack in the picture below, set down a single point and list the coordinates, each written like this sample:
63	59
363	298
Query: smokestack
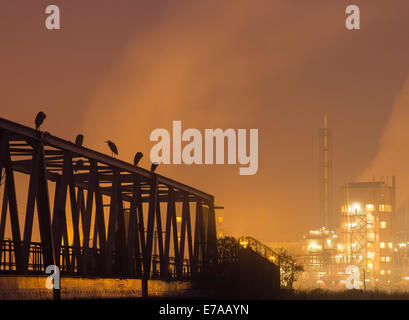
325	173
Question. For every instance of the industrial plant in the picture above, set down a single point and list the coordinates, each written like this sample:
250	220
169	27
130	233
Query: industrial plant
366	234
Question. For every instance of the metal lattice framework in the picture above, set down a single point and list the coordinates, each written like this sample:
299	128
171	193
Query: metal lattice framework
123	238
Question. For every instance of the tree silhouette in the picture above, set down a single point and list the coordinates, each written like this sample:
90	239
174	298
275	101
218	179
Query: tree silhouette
228	250
289	268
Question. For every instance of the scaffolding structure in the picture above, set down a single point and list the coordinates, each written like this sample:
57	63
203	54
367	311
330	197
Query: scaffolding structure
367	237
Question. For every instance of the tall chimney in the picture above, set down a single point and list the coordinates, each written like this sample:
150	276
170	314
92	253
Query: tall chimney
325	173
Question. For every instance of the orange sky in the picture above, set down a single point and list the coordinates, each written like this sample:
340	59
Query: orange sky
119	69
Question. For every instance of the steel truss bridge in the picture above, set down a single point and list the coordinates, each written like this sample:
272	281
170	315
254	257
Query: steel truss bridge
119	204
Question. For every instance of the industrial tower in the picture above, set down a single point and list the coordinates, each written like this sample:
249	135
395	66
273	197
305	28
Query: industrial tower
325	173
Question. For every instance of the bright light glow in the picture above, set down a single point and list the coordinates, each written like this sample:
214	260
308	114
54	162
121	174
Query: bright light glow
382	272
313	246
273	258
390	245
356	207
370	207
178	219
388	259
243	243
382	244
382	224
401	245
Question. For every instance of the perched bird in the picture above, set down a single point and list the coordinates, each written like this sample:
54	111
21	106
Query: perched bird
138	157
112	146
154	166
79	139
39	119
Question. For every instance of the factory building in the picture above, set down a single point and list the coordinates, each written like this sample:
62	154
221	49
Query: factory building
366	232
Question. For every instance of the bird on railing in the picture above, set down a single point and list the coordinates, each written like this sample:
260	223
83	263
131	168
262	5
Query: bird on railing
113	147
39	119
154	166
137	158
79	139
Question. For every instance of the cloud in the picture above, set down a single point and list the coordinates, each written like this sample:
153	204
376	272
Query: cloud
392	156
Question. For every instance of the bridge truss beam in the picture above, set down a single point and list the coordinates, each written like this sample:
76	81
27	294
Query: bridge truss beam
134	238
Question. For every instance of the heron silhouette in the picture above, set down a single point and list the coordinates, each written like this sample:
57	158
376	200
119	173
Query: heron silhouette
138	157
154	166
39	119
113	147
79	139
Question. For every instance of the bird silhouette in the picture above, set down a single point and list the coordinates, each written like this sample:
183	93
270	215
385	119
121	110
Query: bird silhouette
39	119
154	166
79	139
138	157
112	146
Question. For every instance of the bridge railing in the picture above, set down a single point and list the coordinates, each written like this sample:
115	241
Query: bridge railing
260	248
70	266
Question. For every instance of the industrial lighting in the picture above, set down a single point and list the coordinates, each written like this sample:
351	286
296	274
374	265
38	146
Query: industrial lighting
370	207
356	207
273	258
315	247
243	243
